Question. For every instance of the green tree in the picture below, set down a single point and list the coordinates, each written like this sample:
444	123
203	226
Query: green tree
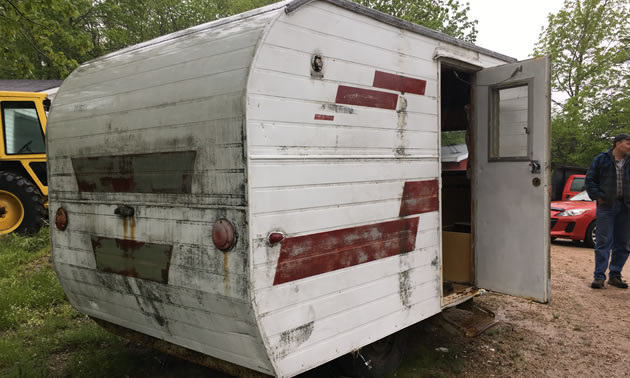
589	41
42	39
47	39
446	16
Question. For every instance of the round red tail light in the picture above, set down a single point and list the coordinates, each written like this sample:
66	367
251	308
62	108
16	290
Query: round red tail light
276	237
223	234
61	219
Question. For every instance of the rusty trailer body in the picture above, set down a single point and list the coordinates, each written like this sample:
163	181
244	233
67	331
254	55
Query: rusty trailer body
266	189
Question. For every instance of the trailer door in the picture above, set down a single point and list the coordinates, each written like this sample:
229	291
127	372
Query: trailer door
511	179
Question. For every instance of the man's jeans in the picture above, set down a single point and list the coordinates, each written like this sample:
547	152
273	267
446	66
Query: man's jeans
613	232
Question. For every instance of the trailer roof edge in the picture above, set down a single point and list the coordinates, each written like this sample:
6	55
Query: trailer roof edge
397	22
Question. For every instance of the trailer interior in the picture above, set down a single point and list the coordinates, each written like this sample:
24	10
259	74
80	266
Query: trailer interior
456	174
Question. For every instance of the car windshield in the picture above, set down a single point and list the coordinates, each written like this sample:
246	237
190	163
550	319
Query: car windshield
581	196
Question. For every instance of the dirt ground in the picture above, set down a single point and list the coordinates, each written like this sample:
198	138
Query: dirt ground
582	333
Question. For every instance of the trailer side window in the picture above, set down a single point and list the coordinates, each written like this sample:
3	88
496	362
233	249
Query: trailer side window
509	131
22	130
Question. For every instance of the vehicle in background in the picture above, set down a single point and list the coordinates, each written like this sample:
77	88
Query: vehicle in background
574	219
566	181
573	186
23	180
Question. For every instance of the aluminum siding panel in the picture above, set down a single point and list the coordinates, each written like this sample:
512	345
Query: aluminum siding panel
348	168
179	94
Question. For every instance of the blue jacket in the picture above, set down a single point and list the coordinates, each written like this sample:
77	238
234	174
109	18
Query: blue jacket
601	179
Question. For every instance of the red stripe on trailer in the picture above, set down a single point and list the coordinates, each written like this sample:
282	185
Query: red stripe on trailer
324	117
419	197
399	83
366	97
310	255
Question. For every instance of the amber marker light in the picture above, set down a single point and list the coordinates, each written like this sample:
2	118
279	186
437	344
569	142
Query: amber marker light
61	219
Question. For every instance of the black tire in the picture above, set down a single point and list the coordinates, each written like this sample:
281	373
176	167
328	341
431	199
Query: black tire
384	357
30	199
589	238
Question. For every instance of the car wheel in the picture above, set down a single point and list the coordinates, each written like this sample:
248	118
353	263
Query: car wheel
378	359
589	238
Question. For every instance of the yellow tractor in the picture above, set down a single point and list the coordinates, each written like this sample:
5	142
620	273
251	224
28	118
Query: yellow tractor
23	179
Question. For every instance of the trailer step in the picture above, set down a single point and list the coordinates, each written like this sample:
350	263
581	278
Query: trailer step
471	319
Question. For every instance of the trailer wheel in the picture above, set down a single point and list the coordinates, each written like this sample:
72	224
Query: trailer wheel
378	359
589	238
21	208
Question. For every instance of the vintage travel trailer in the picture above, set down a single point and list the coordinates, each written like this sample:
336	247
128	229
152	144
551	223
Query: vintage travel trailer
267	189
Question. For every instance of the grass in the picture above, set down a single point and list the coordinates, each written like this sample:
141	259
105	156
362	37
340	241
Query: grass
40	333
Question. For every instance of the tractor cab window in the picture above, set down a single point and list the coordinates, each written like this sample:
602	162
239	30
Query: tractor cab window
21	128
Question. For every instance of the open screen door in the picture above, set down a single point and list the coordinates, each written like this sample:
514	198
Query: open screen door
511	179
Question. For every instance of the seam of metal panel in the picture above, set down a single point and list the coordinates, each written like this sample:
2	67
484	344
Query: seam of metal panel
395	21
250	239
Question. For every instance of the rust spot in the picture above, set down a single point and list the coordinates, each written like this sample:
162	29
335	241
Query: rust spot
129	245
226	272
86	186
132	228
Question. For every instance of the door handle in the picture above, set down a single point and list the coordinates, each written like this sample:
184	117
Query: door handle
534	166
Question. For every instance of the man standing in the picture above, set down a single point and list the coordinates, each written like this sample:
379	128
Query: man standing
608	183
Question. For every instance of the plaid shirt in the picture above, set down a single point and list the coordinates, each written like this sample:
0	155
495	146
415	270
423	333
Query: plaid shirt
619	165
602	179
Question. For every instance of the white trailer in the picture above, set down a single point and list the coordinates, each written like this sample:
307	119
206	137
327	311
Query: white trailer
267	189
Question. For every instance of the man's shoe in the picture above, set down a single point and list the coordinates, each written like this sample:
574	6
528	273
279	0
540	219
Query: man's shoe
597	284
617	282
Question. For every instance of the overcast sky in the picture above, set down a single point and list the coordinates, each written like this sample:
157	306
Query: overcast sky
511	27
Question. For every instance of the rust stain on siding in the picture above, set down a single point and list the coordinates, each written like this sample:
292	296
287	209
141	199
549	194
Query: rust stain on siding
226	272
163	172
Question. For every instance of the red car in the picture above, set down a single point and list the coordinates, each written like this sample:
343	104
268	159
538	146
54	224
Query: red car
574	219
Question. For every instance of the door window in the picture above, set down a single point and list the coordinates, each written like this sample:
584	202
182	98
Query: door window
578	184
22	131
509	133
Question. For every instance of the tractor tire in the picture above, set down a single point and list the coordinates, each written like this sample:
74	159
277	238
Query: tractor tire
21	207
383	357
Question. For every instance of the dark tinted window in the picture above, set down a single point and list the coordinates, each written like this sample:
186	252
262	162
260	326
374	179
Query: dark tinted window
578	184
